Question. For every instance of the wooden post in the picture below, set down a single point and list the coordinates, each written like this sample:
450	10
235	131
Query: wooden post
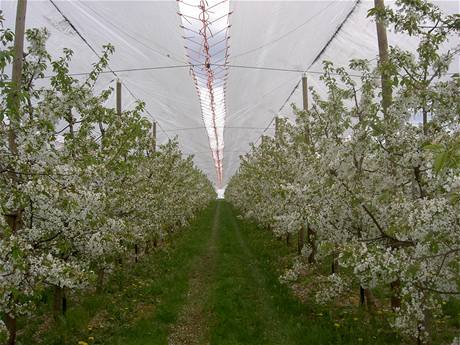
17	72
383	55
305	105
277	129
305	91
301	234
19	44
13	218
119	97
154	136
386	102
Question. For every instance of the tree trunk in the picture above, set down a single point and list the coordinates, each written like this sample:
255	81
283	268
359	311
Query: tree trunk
427	325
395	291
136	253
370	300
10	323
59	302
335	263
64	301
311	242
100	280
301	239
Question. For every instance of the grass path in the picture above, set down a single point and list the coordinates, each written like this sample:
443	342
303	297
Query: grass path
216	283
234	296
192	326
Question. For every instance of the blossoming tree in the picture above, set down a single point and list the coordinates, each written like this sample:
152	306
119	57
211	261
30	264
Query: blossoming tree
80	184
378	189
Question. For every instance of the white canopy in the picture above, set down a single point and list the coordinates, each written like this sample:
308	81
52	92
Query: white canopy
271	43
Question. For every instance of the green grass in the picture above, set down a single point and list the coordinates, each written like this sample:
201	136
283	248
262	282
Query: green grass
252	307
244	303
140	302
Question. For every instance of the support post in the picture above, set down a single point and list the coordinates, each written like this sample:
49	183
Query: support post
19	44
262	139
13	218
301	234
305	91
17	72
118	97
277	124
305	105
154	136
383	58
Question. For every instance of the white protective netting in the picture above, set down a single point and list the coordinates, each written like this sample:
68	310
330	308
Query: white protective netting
289	35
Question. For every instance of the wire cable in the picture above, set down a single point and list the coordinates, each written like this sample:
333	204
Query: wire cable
312	63
285	34
203	127
134	38
97	54
123	70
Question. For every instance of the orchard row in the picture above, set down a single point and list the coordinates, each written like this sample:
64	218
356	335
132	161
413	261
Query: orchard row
82	186
371	191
